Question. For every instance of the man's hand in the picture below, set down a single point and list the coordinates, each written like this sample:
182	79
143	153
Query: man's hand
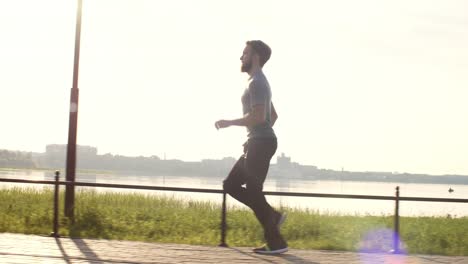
257	116
222	124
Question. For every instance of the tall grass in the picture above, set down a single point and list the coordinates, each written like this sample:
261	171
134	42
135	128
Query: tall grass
166	219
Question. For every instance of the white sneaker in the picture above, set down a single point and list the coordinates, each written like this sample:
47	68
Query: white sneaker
268	251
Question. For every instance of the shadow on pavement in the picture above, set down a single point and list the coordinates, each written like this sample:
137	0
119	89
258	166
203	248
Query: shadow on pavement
295	259
83	247
288	257
62	250
253	255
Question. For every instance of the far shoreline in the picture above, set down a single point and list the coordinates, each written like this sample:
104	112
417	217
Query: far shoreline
159	174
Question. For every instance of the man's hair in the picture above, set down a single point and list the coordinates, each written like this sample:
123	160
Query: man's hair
262	49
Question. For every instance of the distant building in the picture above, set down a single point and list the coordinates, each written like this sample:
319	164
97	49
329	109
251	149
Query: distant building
285	169
56	154
61	149
283	162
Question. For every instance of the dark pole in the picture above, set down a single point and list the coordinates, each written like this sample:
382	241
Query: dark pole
72	127
396	234
223	223
56	197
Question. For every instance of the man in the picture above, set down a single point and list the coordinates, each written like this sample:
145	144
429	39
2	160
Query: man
252	167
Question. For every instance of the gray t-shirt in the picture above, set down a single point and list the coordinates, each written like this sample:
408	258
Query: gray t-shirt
258	92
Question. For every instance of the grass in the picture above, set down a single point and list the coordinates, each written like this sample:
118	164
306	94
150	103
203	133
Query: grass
165	219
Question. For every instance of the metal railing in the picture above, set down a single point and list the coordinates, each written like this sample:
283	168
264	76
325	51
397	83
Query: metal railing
396	198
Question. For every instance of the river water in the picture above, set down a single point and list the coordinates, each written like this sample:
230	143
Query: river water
323	205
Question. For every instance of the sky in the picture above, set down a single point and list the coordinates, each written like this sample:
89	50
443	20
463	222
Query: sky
365	85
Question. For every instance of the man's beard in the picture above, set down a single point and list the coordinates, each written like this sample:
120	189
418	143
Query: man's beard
245	67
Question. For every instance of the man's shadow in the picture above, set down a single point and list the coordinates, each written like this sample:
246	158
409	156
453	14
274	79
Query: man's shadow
286	256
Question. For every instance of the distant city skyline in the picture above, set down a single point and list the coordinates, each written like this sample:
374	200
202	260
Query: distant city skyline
279	160
362	85
284	171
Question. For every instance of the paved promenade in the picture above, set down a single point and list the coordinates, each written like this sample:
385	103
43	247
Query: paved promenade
18	248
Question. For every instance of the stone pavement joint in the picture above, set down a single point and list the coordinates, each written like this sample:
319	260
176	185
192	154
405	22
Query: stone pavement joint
20	248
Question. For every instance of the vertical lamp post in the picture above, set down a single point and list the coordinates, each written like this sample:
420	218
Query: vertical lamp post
73	123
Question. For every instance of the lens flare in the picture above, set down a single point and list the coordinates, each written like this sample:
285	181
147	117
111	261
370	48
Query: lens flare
382	246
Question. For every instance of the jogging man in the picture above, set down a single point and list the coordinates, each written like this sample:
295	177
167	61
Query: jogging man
252	167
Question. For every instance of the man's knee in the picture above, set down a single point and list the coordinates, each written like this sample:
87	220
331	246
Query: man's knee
227	186
254	186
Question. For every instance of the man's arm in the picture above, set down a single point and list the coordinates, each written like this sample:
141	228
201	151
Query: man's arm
274	115
255	117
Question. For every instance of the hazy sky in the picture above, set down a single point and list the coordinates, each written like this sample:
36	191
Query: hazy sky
360	85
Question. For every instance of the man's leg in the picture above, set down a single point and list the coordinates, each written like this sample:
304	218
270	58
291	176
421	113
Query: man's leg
253	196
259	154
234	181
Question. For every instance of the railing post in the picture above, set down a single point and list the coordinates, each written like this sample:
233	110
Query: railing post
396	231
55	233
223	223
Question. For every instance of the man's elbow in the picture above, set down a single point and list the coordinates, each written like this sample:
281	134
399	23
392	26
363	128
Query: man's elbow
274	117
273	121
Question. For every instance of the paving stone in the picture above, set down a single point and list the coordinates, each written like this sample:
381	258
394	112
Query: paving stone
20	248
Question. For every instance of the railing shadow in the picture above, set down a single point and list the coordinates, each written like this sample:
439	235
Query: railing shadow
82	247
66	258
89	253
